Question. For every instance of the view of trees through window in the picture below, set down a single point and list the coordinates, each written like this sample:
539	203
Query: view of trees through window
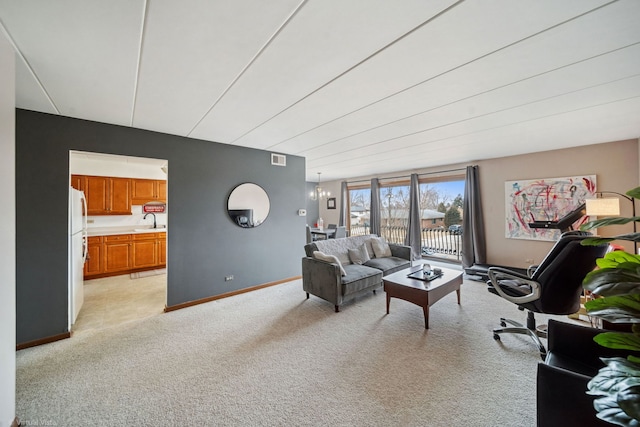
441	212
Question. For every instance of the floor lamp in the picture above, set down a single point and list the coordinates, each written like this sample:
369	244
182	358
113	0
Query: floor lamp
610	206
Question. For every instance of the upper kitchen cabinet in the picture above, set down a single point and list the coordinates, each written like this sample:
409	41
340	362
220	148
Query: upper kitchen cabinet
105	195
148	190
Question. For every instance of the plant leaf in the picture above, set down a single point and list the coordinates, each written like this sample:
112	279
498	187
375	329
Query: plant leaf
614	258
609	379
629	302
603	222
629	400
613	281
635	193
618	340
609	411
616	309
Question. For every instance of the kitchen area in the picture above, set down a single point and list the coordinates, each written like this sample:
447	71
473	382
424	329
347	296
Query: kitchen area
124	229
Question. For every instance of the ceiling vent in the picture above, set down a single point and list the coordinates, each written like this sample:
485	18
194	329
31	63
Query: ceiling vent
278	159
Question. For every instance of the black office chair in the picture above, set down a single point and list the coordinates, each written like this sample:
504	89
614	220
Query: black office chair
553	287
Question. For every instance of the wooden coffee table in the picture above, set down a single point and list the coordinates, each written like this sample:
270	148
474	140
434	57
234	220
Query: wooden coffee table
424	294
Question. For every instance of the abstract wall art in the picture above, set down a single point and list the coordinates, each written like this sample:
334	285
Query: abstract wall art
547	199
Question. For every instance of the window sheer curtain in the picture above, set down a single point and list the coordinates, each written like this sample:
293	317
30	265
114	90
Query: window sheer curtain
474	249
343	204
414	238
374	212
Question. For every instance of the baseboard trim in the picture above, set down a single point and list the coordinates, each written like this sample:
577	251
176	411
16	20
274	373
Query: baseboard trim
226	295
45	340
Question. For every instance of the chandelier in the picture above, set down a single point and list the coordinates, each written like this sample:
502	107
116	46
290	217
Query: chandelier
319	193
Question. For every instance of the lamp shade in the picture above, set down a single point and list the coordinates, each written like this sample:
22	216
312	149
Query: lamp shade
608	206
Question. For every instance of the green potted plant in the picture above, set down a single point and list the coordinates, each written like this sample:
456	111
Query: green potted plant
617	282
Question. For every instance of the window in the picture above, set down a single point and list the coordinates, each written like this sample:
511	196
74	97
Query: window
440	213
441	203
394	212
359	214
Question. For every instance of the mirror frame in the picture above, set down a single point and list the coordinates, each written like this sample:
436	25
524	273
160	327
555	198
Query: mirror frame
248	198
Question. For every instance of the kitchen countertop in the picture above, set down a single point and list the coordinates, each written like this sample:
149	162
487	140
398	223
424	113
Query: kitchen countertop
108	231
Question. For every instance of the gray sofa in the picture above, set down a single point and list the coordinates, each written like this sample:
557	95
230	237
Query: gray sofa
325	280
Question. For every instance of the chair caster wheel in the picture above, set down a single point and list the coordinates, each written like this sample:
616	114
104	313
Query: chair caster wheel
496	337
503	324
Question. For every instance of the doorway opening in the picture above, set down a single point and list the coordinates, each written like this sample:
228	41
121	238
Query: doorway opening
124	276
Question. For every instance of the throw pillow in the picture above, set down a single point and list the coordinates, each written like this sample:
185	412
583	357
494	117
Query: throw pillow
380	248
329	258
359	255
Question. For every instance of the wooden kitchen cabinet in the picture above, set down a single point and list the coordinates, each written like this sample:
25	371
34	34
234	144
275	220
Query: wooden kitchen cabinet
125	253
117	253
94	262
119	196
145	250
148	190
162	249
105	195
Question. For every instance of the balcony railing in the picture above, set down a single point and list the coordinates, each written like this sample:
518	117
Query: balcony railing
436	242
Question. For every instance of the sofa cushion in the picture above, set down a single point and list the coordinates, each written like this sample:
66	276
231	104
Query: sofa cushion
359	255
360	277
338	247
329	258
388	264
380	248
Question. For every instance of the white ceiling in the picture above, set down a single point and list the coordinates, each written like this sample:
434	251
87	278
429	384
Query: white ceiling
358	87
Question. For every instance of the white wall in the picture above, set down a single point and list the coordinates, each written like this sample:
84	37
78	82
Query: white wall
7	236
112	165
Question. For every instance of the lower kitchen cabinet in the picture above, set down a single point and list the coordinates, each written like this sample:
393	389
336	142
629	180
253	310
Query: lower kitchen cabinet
94	263
117	253
162	249
124	253
145	250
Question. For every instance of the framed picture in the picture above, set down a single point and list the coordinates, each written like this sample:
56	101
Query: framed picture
331	203
545	199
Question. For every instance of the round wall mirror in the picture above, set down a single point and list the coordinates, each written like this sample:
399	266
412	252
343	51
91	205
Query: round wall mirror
248	205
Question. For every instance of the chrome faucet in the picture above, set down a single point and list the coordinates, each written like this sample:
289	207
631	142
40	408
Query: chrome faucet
154	218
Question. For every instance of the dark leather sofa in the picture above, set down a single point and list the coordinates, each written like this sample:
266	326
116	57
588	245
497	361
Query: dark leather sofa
573	358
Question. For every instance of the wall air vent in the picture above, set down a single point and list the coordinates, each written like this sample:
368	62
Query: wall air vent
278	159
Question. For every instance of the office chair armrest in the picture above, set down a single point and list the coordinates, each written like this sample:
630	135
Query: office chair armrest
498	273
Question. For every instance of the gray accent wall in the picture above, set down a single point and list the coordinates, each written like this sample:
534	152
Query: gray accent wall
203	245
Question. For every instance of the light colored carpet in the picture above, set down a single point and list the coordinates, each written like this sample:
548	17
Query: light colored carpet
272	358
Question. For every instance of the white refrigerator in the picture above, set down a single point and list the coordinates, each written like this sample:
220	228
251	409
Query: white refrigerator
77	251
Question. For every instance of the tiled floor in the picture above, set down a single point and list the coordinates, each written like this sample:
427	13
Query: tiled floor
113	301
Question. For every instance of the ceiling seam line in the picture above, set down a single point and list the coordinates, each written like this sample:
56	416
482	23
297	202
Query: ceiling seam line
403	36
28	65
488	129
249	64
456	122
446	72
300	153
465	99
137	81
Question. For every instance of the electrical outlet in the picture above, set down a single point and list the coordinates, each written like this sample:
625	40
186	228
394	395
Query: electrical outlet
228	278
